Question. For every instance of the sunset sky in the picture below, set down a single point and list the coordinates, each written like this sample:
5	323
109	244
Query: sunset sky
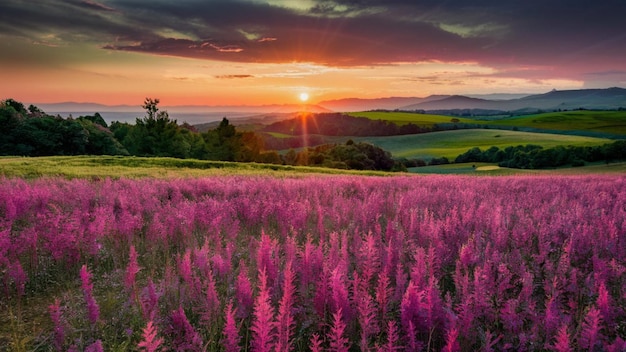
234	52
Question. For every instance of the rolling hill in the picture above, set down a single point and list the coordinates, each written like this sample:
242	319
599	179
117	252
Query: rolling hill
391	103
452	143
604	99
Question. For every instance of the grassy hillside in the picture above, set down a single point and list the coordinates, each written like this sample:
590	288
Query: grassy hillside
137	167
96	167
452	143
488	169
606	122
423	120
611	122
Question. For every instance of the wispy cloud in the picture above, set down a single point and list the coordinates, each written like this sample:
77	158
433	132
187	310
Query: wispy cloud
96	5
233	76
341	33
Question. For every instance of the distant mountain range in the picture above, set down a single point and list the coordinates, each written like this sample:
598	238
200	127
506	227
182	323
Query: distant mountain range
606	99
393	103
186	109
610	98
193	114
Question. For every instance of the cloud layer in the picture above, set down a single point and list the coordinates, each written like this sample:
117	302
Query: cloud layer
557	39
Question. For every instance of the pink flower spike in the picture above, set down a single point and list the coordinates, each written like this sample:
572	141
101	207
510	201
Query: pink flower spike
231	331
263	321
93	311
131	272
338	342
59	328
149	341
95	347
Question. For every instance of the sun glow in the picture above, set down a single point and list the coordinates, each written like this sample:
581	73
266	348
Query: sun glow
304	96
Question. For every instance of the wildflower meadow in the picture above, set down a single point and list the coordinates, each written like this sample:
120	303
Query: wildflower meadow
314	263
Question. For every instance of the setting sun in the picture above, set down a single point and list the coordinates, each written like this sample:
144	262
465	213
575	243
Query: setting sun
304	96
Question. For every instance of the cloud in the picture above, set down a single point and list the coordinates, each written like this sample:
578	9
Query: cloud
96	5
233	76
572	36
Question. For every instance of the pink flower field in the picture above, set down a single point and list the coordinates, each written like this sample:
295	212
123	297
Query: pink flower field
316	263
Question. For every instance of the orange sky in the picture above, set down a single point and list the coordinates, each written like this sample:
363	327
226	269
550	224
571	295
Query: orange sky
253	52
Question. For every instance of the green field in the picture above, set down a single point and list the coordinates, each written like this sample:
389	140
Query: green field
452	143
279	135
99	167
477	169
488	169
423	120
611	122
154	167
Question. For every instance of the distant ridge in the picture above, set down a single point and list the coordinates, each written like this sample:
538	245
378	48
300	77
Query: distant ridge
601	99
94	107
452	102
608	99
193	114
86	107
390	103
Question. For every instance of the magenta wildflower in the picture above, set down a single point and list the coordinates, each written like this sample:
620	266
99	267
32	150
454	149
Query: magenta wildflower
604	303
59	326
150	301
131	271
367	318
212	304
95	347
17	273
590	334
149	341
336	336
383	295
562	343
93	311
263	321
231	331
184	336
392	339
452	342
243	292
316	343
285	320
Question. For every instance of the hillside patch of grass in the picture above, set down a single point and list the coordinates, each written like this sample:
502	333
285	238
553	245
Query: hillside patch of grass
154	167
490	169
401	118
450	144
610	122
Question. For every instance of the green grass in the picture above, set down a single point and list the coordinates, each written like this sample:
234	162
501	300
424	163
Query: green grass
138	167
452	143
489	169
401	118
478	169
610	122
279	135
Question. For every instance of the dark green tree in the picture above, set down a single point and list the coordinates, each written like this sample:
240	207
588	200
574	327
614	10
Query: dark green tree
155	134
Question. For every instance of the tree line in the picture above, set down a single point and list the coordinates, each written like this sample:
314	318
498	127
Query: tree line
311	129
532	156
351	155
31	132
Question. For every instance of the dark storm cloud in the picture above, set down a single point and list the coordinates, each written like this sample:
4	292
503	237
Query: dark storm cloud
81	20
578	34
